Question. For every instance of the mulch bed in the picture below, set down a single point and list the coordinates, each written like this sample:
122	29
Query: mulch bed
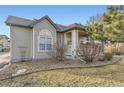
46	65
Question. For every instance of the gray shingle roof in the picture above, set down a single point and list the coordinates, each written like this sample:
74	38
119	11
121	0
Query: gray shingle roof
18	21
75	25
12	20
61	27
3	36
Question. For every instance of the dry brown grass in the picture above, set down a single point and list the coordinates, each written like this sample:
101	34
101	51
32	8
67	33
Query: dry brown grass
111	75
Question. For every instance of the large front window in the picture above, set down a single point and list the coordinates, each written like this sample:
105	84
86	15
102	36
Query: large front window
45	41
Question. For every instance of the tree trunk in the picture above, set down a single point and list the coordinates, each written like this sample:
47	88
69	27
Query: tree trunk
101	55
102	47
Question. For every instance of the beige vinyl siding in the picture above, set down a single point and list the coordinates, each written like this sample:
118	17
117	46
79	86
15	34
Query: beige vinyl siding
43	25
20	37
60	38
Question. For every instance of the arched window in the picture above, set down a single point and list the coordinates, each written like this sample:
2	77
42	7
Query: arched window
45	40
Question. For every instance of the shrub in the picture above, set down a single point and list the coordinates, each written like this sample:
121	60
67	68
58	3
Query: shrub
108	52
108	49
108	56
58	53
88	52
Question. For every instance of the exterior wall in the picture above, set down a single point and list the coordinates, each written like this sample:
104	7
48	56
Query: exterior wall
43	25
21	43
60	38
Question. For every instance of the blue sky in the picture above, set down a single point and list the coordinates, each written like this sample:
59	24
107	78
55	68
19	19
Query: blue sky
59	14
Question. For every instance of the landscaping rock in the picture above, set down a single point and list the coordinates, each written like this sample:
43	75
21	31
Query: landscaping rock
19	72
3	64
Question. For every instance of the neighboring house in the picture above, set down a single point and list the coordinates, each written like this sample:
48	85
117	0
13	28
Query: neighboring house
1	47
33	39
4	42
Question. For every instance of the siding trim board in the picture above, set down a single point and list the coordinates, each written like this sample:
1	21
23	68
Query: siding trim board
33	45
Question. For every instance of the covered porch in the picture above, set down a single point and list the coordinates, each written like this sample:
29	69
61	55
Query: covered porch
72	39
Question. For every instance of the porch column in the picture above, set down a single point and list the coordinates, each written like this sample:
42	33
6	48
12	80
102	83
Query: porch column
65	41
74	42
77	32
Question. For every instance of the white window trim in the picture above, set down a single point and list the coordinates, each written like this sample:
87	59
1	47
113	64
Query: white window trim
39	43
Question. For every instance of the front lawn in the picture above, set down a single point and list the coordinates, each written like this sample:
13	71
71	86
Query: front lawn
111	75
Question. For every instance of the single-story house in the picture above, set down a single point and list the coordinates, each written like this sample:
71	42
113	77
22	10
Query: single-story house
4	42
34	39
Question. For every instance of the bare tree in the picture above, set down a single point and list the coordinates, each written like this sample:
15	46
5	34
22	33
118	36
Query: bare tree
58	53
88	52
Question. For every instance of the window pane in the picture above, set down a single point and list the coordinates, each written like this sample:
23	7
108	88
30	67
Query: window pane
42	40
42	46
45	43
42	43
48	46
49	41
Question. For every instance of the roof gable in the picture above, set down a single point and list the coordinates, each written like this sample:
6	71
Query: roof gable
43	18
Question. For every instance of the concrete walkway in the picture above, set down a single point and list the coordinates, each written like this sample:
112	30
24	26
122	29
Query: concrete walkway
4	59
